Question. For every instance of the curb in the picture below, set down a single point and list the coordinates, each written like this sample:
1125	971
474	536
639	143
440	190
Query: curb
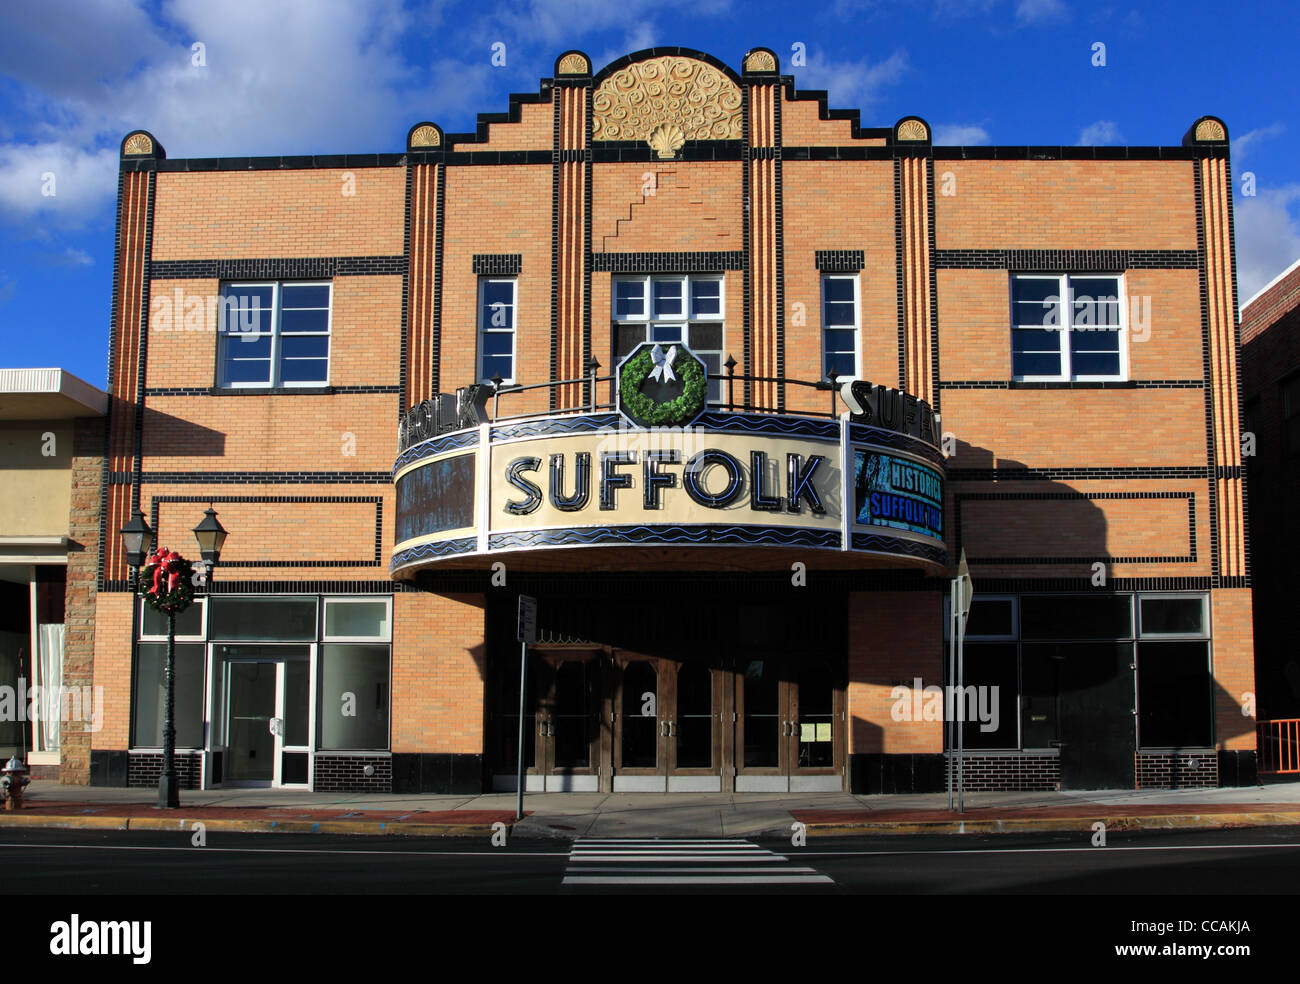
1171	821
370	828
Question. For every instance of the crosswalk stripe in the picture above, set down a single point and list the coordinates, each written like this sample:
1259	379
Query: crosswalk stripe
695	861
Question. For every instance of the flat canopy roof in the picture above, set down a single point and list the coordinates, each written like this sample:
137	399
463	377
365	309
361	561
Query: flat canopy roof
48	394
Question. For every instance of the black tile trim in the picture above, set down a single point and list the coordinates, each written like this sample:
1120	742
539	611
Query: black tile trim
825	113
220	586
1075	473
587	262
1066	260
898	274
839	260
627	152
1021	153
513	115
435	344
936	396
113	331
1190	497
1015	384
497	263
279	268
268	391
556	167
1241	393
377	501
685	262
256	478
779	220
404	354
1210	456
747	256
282	163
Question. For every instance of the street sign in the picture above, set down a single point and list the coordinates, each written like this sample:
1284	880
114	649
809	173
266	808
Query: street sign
527	627
965	588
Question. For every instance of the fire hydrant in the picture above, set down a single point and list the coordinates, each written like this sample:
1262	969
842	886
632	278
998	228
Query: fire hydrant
13	780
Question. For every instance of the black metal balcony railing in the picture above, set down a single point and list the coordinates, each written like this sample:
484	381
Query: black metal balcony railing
468	406
592	383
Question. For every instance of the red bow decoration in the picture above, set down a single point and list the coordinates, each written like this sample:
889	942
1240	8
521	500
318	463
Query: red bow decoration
170	574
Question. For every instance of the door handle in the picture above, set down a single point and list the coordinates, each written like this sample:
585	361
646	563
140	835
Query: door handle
672	729
663	729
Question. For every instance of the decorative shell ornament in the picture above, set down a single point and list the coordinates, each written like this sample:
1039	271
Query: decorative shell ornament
666	139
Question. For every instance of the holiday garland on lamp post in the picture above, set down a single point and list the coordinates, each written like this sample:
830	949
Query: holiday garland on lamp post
167	583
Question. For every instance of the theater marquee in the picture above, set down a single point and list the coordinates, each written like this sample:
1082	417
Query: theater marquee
727	480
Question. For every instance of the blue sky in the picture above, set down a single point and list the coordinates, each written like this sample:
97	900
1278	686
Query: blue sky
334	76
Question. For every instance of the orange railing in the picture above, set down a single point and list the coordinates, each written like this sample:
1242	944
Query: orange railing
1279	745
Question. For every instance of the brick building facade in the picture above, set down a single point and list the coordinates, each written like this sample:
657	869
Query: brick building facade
667	241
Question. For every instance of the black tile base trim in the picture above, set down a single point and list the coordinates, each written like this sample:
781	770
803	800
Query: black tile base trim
1238	768
144	769
689	262
108	767
436	772
874	772
347	773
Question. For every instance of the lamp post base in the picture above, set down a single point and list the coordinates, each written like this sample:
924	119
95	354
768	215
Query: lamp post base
168	795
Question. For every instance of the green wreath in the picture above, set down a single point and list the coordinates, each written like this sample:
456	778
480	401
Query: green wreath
166	581
674	413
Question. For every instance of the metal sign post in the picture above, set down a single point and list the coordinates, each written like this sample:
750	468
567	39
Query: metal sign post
526	632
963	590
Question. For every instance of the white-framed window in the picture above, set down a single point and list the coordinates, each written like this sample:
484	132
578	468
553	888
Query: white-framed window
274	333
358	620
991	618
840	324
1068	327
191	624
1173	616
497	306
673	308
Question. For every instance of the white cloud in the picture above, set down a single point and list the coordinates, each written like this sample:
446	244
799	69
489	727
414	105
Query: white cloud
1099	134
1037	11
1242	144
638	37
851	84
1268	236
559	23
960	134
81	181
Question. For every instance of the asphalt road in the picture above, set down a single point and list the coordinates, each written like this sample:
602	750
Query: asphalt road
87	863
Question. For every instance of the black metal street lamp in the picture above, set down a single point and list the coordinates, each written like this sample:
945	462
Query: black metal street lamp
137	539
169	593
211	536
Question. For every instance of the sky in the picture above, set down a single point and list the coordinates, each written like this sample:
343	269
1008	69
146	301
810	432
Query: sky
224	78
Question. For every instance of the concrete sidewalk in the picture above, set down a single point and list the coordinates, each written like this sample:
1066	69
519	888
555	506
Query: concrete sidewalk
567	815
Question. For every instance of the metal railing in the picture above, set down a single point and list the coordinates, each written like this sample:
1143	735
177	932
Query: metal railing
592	382
1279	745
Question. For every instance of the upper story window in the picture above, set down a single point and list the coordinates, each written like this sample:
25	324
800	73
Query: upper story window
1067	328
840	324
274	334
668	308
497	302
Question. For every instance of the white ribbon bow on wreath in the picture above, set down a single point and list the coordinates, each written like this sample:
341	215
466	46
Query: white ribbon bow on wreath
662	371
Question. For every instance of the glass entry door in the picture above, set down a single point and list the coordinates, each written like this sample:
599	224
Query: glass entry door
570	741
666	725
250	745
268	717
790	724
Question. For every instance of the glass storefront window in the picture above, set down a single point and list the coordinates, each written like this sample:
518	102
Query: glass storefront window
346	618
279	619
1076	617
151	695
189	623
1175	700
354	696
